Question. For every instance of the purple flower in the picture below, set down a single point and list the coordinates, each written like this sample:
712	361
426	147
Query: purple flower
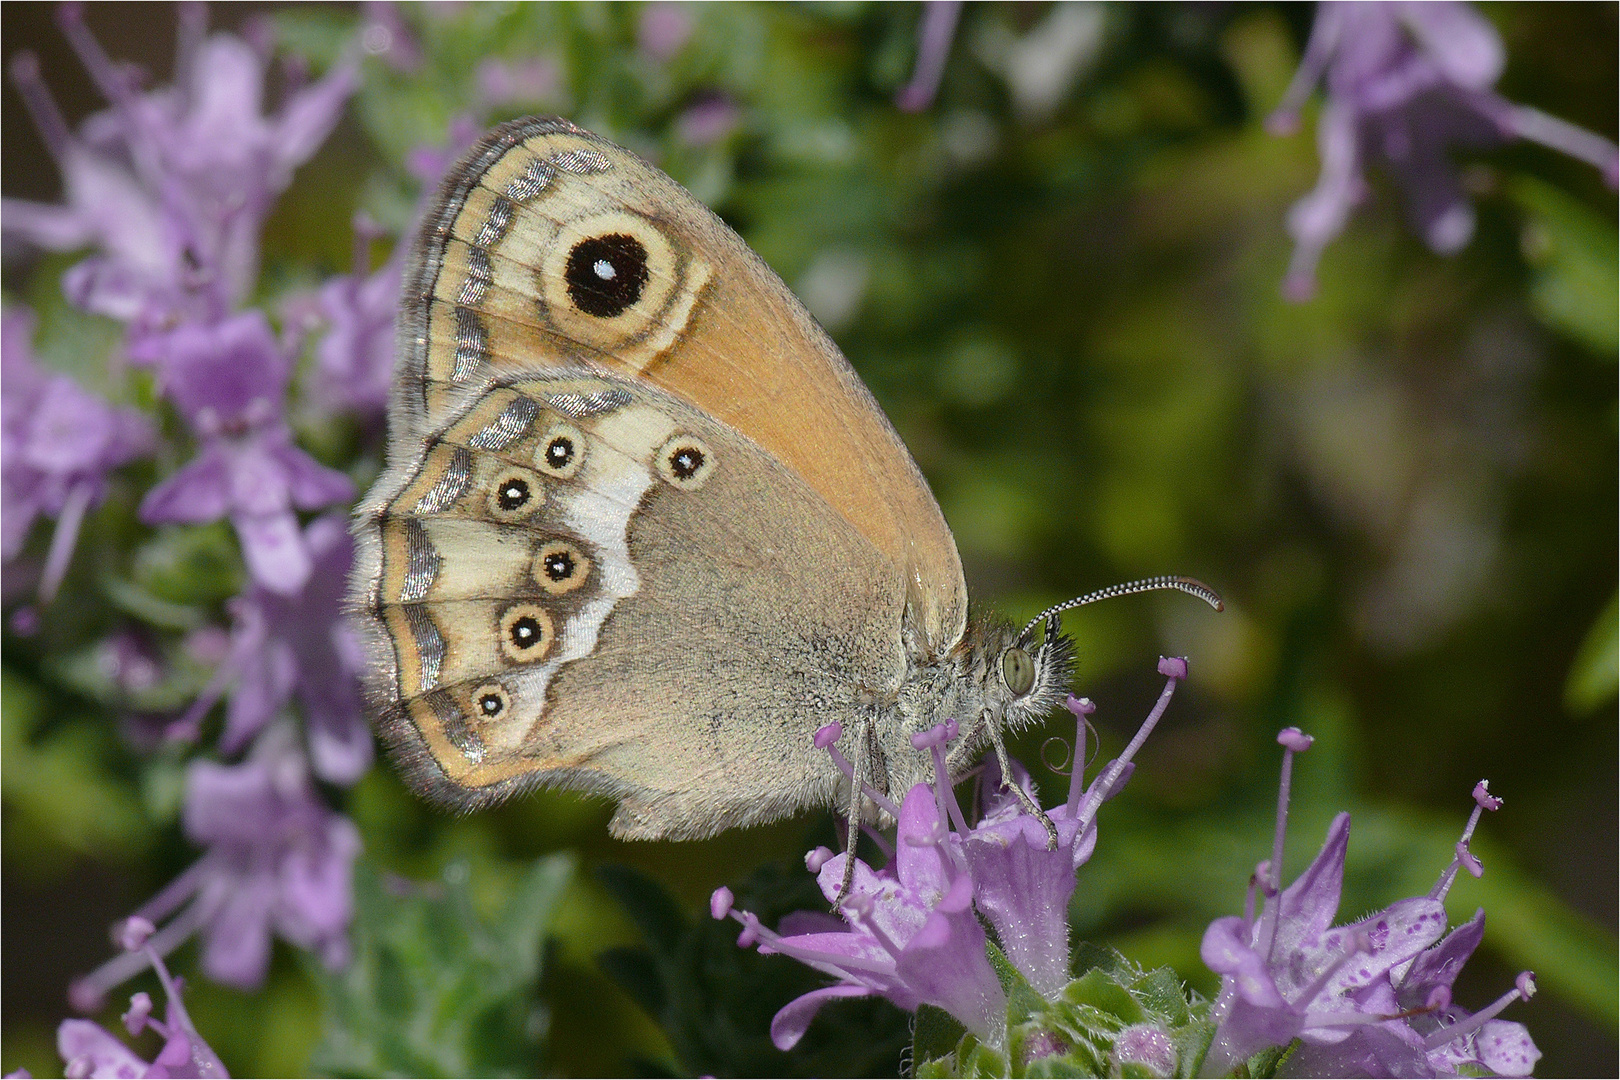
1023	883
707	122
172	185
384	34
88	1049
59	444
354	362
910	932
536	80
428	163
935	32
299	646
278	862
229	382
1372	998
663	29
911	935
1406	82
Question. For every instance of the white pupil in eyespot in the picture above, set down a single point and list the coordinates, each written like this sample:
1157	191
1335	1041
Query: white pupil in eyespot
604	270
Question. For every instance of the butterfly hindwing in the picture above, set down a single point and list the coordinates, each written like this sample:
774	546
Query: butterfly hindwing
583	580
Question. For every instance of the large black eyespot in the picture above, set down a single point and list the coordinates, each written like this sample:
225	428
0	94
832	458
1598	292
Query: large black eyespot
1017	670
606	274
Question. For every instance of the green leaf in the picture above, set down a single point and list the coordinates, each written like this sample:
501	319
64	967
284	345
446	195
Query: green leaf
1574	252
60	793
1594	677
935	1034
434	991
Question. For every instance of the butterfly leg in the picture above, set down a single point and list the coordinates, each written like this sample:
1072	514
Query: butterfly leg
993	723
860	767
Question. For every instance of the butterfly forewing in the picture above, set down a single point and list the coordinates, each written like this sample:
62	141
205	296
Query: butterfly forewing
551	246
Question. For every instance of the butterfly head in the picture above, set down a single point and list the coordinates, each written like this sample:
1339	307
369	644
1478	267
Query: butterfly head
1033	670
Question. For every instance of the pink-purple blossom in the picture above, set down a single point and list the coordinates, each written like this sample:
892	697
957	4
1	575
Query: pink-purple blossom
90	1050
1406	84
299	647
911	935
935	31
1370	998
59	444
354	360
278	862
229	382
911	931
171	186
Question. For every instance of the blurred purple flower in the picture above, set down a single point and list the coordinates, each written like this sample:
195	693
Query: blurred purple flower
663	29
1406	82
282	647
172	185
229	382
354	362
935	32
88	1049
278	861
428	163
57	445
385	35
302	645
536	80
1371	998
910	933
708	121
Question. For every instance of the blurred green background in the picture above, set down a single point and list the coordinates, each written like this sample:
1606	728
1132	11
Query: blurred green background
1062	283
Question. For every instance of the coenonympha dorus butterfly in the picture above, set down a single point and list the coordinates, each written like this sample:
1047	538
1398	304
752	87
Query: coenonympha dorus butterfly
642	531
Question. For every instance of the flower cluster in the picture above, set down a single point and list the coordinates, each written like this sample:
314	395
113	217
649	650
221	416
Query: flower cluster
169	190
911	931
88	1049
60	442
1370	998
1407	82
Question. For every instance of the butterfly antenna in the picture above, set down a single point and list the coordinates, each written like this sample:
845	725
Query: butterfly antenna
1191	586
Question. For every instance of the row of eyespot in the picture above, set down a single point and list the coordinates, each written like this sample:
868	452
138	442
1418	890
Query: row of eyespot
684	461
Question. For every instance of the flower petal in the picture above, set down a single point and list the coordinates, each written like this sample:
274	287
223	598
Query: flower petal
95	1051
274	551
198	492
1505	1047
793	1019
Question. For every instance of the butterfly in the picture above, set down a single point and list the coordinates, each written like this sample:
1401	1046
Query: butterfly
642	530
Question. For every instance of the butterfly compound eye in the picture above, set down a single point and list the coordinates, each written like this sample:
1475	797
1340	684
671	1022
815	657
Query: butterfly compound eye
606	274
1017	671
